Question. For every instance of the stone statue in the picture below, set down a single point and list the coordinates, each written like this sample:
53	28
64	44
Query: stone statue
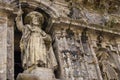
107	67
35	44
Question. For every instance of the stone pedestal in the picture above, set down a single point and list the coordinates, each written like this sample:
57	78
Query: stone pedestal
37	74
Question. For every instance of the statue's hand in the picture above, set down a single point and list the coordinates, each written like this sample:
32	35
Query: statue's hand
20	12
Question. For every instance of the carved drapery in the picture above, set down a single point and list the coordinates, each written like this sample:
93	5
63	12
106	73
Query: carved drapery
108	58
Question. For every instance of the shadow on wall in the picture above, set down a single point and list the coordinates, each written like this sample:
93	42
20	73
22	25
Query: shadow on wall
17	54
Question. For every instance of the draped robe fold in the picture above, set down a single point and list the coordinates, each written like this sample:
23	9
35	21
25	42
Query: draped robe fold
33	48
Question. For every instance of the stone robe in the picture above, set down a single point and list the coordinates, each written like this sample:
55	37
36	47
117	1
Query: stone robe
34	44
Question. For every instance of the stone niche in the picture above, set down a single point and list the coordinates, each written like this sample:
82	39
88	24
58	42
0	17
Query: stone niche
38	73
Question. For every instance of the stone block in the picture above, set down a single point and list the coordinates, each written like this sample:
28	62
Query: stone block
37	74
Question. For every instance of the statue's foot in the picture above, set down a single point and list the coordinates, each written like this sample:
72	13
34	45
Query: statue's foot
30	69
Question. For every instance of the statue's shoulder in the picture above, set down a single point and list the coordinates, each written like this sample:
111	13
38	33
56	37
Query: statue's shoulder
26	28
27	25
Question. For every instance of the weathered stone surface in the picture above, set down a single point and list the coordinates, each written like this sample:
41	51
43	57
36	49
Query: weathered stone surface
37	74
27	77
3	46
10	49
78	52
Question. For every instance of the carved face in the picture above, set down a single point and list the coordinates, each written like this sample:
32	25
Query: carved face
35	20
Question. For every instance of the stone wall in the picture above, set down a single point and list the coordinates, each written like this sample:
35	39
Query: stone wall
86	43
77	52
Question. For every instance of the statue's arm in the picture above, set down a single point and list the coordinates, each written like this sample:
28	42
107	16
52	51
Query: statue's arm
19	21
46	36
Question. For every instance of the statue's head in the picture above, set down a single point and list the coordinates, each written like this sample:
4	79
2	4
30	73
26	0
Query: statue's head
34	18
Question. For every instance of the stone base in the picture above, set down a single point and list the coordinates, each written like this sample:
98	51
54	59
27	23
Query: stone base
37	74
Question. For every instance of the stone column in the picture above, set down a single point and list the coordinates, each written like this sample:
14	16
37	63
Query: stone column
3	45
6	45
55	32
10	48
